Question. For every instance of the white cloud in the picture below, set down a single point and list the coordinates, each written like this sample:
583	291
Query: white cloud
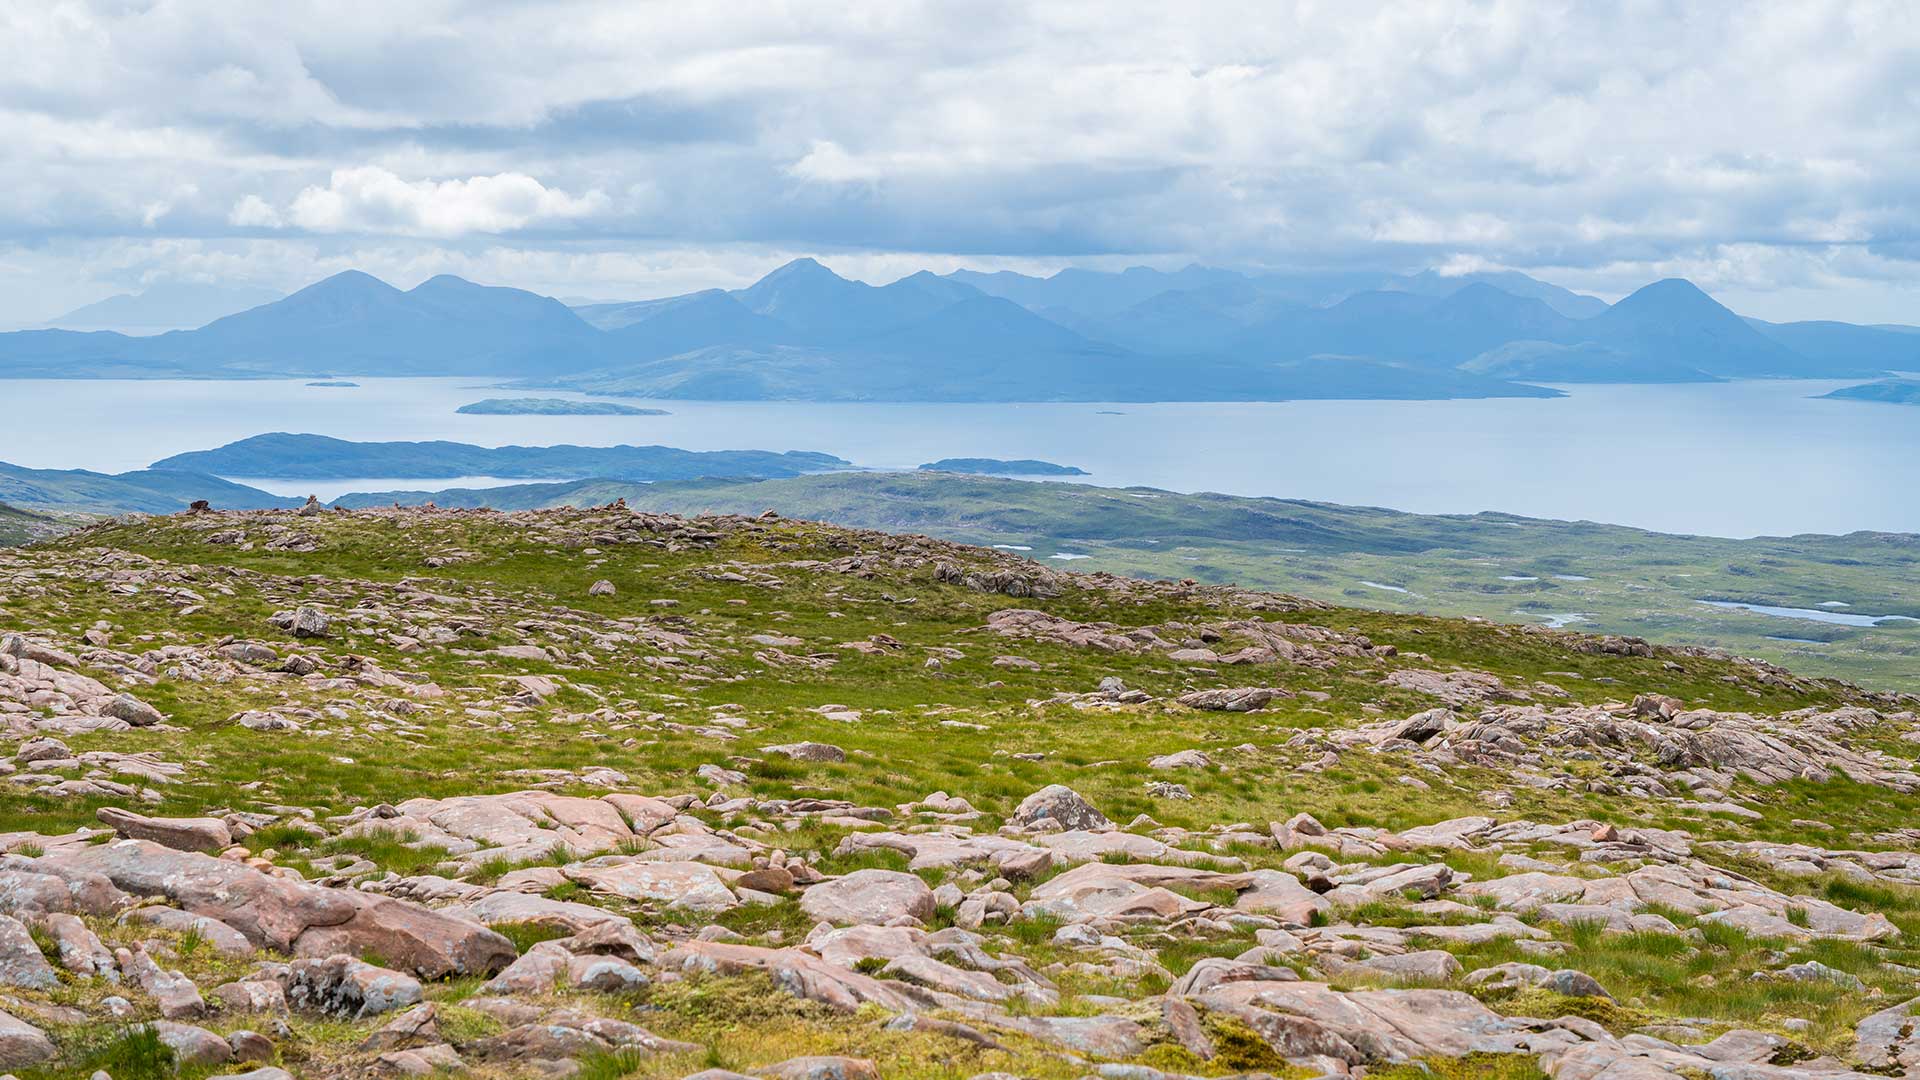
829	162
1551	135
370	199
254	212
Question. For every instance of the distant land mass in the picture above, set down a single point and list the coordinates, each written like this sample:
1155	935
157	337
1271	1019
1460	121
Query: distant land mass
1601	578
165	306
318	457
19	526
553	407
984	466
804	333
1887	391
335	384
146	491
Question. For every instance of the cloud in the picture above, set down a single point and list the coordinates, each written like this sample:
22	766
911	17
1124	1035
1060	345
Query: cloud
370	199
1545	135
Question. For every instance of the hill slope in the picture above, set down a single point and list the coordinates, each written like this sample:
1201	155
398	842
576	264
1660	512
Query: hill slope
751	791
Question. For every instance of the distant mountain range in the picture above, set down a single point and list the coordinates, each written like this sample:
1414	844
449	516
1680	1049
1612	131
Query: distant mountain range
805	333
165	306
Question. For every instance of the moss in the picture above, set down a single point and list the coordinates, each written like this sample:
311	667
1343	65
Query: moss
1470	1067
1239	1048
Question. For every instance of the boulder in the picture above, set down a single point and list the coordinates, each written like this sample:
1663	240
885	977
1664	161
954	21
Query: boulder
183	834
1235	699
348	987
871	898
820	1068
22	965
808	751
1057	806
293	916
22	1046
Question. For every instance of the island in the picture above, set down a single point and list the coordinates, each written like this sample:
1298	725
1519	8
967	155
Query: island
1886	391
533	406
997	467
316	457
336	383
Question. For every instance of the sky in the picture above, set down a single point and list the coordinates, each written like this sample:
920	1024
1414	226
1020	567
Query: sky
608	149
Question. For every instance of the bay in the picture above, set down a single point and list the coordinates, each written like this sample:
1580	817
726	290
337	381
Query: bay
1729	459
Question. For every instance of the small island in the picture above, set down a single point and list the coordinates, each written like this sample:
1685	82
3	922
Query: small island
339	383
1887	391
997	467
553	407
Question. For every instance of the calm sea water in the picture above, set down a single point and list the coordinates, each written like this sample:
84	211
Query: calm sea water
1737	459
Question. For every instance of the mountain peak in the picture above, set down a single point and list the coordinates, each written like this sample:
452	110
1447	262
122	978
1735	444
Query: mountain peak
799	269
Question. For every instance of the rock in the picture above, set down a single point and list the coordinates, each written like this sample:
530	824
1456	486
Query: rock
808	751
537	971
603	587
293	916
22	965
224	939
1886	1040
1058	805
23	1046
308	622
870	898
1184	759
251	996
173	992
183	834
1243	699
418	1026
264	1072
680	886
132	710
1565	981
250	1046
820	1068
1420	727
192	1045
435	1060
77	948
1432	965
349	987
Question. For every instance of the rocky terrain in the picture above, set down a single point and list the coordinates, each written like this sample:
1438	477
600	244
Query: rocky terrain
604	793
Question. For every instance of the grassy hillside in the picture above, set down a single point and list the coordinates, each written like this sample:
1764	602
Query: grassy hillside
1496	566
19	526
773	695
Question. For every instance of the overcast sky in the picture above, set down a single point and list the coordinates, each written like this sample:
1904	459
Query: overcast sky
619	149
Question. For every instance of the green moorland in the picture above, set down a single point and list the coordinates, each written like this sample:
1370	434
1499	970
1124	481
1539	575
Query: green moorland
1596	578
19	526
730	635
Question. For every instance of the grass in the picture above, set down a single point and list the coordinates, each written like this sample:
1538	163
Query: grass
621	706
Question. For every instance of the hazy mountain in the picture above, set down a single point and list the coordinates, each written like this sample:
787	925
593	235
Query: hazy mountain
654	328
805	333
1092	292
1586	362
1407	327
1571	304
1674	321
354	323
821	306
317	457
1843	349
350	323
178	305
1185	321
